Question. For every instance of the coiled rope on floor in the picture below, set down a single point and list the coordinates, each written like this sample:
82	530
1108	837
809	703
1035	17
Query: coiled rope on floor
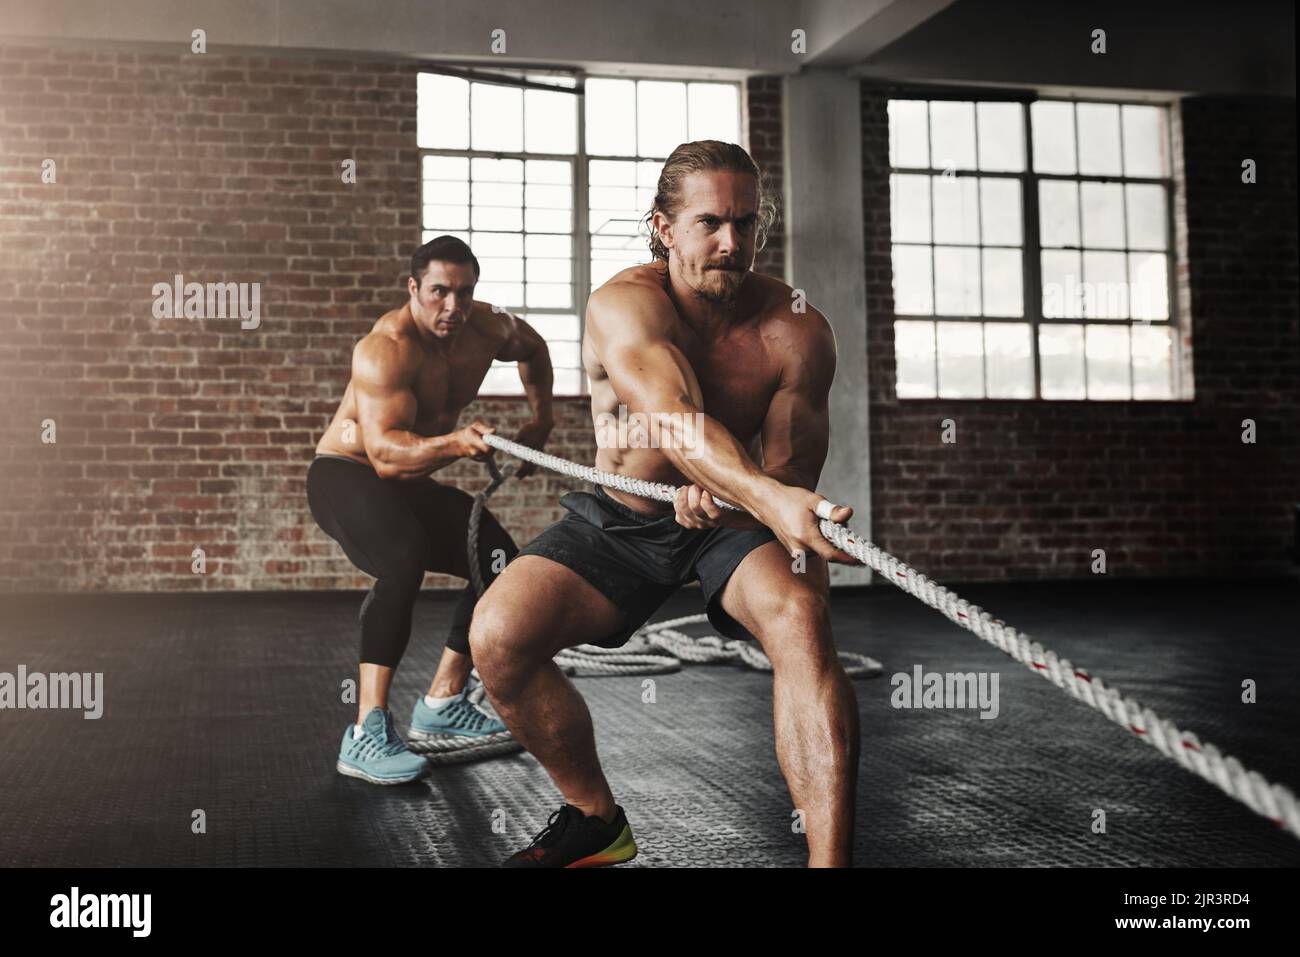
1273	801
455	748
659	648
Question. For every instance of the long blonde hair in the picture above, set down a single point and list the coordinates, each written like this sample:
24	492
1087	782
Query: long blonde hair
695	157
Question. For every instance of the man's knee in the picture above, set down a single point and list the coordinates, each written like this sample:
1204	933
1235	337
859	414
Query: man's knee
485	629
500	648
799	609
401	565
797	632
397	586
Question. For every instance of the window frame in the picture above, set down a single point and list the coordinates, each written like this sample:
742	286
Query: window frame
1031	266
580	161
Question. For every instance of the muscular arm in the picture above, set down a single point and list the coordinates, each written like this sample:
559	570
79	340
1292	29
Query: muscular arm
797	427
383	372
630	327
529	350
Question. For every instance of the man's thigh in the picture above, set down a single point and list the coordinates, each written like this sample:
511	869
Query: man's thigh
625	563
537	605
443	512
765	586
369	517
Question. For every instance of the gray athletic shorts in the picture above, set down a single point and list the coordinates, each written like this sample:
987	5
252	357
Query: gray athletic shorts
638	562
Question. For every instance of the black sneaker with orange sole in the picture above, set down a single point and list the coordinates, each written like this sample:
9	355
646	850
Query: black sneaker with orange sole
573	839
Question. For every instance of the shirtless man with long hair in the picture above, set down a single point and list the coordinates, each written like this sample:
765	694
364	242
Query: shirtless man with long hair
693	337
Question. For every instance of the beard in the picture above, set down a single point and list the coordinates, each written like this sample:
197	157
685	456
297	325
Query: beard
721	287
723	293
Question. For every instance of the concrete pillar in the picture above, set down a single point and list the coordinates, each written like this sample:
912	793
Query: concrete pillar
825	258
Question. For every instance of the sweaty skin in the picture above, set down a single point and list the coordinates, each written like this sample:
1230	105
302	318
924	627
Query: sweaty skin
753	387
763	377
412	376
408	390
701	339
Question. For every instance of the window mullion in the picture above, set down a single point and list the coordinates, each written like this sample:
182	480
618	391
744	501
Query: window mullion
1032	280
1128	284
934	288
581	237
1172	314
581	271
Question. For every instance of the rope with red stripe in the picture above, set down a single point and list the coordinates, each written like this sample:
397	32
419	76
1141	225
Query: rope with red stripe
1273	801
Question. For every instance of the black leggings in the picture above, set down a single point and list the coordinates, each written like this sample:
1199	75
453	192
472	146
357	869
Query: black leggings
396	530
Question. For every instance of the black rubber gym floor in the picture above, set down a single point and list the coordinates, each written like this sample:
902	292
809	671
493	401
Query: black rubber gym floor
232	704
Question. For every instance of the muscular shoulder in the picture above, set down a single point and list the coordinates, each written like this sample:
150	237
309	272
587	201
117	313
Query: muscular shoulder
490	323
389	352
633	299
799	330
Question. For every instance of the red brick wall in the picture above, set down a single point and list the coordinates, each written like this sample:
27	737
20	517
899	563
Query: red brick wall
763	139
1165	488
177	434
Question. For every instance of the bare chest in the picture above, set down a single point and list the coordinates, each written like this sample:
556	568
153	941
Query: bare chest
444	386
737	378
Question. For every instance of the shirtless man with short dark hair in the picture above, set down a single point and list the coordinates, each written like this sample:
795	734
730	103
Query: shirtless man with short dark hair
694	336
369	489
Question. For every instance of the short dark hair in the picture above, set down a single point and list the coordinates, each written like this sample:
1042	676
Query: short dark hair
446	249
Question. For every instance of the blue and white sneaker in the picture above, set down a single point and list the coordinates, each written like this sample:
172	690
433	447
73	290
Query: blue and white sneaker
378	754
466	715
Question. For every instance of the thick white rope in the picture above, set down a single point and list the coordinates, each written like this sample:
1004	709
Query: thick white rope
476	516
457	748
659	648
454	749
655	648
1273	801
